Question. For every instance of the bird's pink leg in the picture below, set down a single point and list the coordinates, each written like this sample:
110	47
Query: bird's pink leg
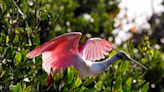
49	80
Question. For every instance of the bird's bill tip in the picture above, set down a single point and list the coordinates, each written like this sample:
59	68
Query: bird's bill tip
136	62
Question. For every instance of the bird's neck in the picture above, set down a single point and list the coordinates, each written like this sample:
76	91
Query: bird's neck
96	67
109	61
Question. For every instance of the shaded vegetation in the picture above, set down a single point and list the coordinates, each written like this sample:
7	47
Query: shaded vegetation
26	24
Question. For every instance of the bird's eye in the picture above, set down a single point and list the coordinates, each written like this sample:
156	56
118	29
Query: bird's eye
121	55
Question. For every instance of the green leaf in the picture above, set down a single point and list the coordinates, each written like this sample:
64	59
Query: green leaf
36	40
24	87
42	78
2	73
99	85
18	88
118	84
19	30
24	6
145	87
88	81
28	89
123	66
16	39
1	50
129	82
146	38
70	74
66	89
18	57
7	39
4	7
56	77
77	82
29	29
82	89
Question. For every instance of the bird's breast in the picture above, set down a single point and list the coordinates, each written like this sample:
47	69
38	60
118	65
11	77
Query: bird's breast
84	71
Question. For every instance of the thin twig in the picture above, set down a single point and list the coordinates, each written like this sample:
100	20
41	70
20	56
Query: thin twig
19	10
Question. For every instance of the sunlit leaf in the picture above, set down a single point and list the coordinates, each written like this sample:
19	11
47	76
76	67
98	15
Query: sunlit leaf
28	89
18	88
129	82
2	74
43	20
70	74
19	30
18	57
99	85
16	39
7	39
77	82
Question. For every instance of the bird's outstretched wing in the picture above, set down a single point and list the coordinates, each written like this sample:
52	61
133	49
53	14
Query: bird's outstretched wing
62	42
59	52
95	49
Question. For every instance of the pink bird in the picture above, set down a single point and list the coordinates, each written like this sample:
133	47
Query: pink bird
63	51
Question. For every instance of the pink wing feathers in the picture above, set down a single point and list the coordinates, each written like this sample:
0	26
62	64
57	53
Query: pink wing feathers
95	49
59	52
52	44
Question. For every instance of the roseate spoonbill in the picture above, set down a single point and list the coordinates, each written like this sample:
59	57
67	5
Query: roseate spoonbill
63	51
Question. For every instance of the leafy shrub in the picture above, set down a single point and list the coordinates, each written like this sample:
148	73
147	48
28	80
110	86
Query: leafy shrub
25	24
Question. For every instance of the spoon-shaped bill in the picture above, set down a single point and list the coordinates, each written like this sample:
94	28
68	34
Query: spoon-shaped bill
124	56
137	63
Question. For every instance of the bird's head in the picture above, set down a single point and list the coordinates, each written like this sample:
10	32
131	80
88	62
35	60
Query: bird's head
124	56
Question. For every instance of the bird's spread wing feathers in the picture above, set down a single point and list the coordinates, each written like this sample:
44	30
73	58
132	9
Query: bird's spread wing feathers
45	47
59	42
95	49
59	52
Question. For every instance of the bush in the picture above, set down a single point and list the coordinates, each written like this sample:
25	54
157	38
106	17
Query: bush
26	24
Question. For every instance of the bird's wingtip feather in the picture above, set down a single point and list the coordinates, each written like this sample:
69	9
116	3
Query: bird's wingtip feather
30	55
33	53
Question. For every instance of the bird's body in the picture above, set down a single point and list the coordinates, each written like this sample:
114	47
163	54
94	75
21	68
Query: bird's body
63	51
